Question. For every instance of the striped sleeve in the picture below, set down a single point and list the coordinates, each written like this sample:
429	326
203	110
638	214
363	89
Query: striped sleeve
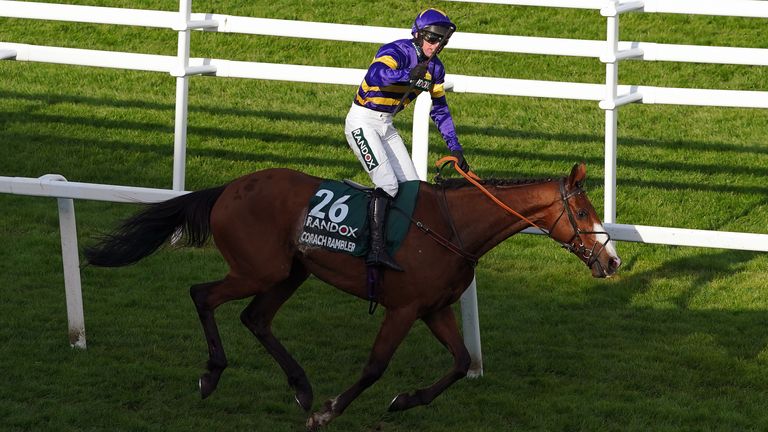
440	113
386	81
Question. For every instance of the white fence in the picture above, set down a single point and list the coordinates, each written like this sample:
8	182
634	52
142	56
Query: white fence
53	185
610	95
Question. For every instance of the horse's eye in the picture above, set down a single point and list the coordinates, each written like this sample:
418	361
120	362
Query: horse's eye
582	213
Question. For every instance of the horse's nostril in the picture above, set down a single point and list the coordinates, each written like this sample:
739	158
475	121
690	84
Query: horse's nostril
614	263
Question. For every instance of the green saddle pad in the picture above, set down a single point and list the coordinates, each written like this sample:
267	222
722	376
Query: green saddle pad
337	218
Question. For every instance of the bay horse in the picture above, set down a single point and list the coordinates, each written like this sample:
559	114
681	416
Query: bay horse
256	220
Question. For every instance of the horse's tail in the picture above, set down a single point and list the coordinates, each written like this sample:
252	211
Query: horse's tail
143	233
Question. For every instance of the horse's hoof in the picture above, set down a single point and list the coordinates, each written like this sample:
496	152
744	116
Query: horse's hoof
400	403
323	417
317	420
304	400
304	396
312	424
207	385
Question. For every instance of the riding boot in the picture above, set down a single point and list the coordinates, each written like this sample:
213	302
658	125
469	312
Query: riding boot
377	212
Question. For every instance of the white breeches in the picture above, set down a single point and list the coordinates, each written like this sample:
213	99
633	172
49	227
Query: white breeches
379	148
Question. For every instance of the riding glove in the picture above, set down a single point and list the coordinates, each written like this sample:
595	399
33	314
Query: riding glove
418	72
459	155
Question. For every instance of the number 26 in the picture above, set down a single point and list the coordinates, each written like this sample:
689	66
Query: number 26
338	210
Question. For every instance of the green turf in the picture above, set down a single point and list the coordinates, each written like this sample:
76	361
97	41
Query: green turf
675	342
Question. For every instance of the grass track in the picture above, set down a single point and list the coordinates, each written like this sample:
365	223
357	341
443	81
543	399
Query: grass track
675	343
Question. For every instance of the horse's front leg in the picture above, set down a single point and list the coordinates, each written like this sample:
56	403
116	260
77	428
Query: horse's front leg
396	325
443	325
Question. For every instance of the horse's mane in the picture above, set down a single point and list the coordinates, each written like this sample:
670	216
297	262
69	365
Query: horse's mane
457	183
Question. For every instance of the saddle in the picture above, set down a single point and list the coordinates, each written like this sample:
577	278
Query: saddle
363	188
337	217
337	220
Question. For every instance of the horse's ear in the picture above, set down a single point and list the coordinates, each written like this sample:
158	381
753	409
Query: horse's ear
578	175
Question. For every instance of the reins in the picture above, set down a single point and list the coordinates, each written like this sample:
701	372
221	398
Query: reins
590	255
474	179
580	250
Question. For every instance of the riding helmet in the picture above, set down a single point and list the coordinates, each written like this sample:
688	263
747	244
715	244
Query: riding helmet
435	21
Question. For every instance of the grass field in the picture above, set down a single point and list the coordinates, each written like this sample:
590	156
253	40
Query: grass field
675	342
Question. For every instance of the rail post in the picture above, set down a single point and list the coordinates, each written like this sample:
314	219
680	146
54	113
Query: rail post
612	102
71	262
470	323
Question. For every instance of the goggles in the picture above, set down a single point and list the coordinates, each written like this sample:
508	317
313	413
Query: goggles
430	37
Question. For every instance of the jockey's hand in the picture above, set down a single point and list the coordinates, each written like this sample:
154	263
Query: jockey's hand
459	155
418	72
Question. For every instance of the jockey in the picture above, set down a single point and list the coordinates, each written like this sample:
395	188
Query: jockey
404	66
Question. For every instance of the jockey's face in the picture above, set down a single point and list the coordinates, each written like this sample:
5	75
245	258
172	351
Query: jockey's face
430	42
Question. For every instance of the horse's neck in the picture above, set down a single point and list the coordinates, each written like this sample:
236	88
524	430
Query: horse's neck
482	224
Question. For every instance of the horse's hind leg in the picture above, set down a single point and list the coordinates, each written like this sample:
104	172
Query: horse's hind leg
443	325
258	316
208	296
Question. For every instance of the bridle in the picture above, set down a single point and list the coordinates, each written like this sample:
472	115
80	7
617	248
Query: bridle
574	245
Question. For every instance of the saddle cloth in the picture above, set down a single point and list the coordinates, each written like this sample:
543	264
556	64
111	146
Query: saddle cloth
337	218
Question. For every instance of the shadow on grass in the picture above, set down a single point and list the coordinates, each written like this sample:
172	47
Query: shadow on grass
740	332
219	153
339	120
642	352
272	137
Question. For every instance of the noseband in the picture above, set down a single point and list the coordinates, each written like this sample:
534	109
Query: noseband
575	244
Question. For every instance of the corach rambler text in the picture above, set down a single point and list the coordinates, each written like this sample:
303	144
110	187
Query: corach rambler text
329	242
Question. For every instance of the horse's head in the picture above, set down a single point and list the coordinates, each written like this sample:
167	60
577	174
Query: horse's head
577	227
